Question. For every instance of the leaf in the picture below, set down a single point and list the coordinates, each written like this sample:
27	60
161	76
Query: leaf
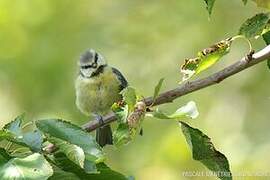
129	96
73	152
263	3
33	167
33	140
75	135
245	2
205	59
104	171
64	175
120	112
6	135
189	110
254	26
266	38
15	125
4	156
121	135
204	151
209	5
157	89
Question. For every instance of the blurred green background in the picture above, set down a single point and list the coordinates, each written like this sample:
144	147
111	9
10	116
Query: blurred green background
41	40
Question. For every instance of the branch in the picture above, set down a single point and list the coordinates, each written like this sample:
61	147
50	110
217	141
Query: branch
191	86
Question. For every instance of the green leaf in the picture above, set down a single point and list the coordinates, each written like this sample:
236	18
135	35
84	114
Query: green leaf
205	59
266	38
254	26
263	3
4	156
121	135
245	2
33	167
64	175
129	96
72	152
157	89
73	134
120	112
209	5
15	125
33	140
104	171
5	135
204	151
189	110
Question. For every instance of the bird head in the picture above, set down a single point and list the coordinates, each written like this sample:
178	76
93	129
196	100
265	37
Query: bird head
90	63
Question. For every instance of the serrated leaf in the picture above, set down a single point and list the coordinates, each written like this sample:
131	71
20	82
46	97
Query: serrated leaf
32	167
204	151
73	134
15	125
189	110
263	3
205	59
157	89
104	171
129	96
33	140
209	5
254	26
73	152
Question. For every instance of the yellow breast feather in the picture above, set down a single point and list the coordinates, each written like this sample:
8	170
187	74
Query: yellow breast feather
97	94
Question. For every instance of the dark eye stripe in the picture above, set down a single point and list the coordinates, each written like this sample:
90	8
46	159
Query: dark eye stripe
96	57
86	66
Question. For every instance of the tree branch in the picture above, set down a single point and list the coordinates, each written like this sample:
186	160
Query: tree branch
191	86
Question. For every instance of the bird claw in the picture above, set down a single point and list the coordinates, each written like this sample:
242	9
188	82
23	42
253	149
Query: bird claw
249	55
99	118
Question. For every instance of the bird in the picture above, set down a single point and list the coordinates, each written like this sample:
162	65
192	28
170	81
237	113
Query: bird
98	87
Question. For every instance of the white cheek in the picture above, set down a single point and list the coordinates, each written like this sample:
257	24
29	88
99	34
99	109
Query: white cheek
87	72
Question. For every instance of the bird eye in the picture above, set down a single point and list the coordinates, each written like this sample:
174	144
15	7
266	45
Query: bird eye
94	65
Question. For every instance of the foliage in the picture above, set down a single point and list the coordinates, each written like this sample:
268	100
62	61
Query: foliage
75	154
33	166
254	26
209	5
204	151
205	58
266	38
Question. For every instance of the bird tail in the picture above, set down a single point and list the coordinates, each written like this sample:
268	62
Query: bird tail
104	135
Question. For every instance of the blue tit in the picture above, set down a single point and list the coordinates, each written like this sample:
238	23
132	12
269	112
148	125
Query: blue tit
97	87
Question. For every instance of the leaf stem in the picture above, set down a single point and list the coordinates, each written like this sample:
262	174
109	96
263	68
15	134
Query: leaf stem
246	39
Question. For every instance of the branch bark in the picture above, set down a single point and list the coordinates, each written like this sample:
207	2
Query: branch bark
191	86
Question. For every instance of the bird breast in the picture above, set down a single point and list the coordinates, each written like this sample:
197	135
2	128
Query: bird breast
97	94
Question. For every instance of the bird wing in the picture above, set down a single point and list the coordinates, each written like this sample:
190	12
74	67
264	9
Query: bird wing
121	78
